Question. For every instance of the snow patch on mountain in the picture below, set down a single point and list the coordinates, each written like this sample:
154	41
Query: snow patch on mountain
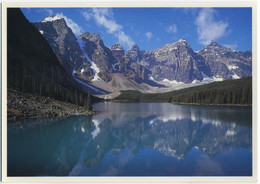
235	76
114	67
218	79
87	85
95	70
195	81
207	79
211	79
181	41
204	75
93	65
230	133
172	82
232	67
151	78
51	19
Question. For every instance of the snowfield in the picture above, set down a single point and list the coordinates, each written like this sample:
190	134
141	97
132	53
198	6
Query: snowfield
93	65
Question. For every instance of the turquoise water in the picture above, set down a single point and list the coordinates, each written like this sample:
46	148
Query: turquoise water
144	139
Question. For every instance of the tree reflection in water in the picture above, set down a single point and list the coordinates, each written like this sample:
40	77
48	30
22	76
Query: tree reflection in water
135	139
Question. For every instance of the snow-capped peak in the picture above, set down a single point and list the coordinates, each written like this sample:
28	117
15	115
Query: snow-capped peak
51	18
182	40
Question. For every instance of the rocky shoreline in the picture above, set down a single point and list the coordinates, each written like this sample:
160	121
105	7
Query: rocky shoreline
24	106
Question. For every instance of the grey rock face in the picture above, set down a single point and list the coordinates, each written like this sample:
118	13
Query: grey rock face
175	61
134	54
226	63
65	45
119	54
127	63
178	63
117	47
99	54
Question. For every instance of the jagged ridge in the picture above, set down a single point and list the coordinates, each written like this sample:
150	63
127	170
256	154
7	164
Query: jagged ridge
174	62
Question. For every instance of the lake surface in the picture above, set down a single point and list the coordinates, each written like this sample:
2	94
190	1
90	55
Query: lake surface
144	139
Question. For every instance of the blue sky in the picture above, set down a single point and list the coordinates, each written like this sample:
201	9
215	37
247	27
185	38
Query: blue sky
151	28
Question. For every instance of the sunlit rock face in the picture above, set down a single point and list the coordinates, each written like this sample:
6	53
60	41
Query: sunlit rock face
227	63
99	54
65	45
127	63
174	62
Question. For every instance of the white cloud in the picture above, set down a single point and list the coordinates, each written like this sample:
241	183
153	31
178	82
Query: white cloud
148	35
49	11
232	46
208	28
104	17
76	29
87	15
45	10
172	29
124	39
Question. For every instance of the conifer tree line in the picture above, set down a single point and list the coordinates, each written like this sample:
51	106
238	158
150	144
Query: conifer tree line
25	80
241	94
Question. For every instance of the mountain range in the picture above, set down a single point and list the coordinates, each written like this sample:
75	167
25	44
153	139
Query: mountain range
101	70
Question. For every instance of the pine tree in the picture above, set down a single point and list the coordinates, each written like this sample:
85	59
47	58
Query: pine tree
170	100
40	89
34	85
76	97
24	79
81	99
85	102
89	106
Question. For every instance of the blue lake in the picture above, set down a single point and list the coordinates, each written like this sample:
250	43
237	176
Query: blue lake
136	139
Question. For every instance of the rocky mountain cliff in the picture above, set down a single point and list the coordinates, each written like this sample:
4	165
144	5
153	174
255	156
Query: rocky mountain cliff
226	63
33	67
178	62
128	64
87	55
99	54
174	63
64	44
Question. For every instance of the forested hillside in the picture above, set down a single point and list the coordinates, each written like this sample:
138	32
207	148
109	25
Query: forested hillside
237	92
32	66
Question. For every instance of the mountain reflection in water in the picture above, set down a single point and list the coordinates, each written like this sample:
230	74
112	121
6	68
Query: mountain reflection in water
146	139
